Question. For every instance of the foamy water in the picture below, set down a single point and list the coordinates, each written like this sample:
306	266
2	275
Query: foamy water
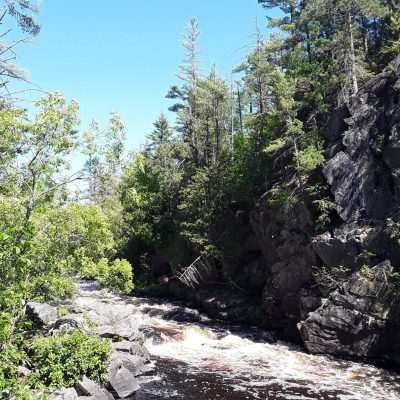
207	362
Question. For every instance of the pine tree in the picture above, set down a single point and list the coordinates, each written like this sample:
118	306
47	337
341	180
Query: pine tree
162	134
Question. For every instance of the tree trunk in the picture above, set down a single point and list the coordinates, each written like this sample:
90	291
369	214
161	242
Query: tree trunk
353	74
240	110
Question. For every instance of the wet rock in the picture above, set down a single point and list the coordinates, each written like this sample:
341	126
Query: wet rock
41	313
64	394
310	300
354	319
121	380
183	314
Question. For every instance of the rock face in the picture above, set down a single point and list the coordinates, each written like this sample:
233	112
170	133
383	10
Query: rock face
355	319
283	236
278	251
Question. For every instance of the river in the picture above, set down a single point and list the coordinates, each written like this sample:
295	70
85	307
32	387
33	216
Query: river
208	360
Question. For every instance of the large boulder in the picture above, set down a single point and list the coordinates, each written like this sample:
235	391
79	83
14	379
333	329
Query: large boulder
92	390
133	363
113	320
41	313
354	321
121	380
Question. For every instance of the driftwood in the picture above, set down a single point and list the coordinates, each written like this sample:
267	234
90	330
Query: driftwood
195	272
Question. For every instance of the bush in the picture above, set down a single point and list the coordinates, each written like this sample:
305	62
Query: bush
119	276
95	271
310	159
61	361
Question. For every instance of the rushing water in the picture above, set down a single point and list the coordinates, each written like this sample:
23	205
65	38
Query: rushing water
210	361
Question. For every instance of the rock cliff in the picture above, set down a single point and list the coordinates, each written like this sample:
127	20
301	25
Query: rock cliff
336	291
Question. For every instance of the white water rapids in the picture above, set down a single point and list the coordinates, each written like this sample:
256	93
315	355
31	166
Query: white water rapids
207	361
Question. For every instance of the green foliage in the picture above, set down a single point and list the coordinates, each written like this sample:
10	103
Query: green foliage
275	145
203	201
73	234
367	272
61	361
278	197
118	276
309	159
326	208
393	229
365	257
377	145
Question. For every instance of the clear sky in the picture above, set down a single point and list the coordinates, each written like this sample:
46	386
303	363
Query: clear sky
123	55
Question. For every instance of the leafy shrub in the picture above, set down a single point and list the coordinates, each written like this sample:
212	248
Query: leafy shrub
365	257
119	276
367	272
61	361
278	197
326	208
310	159
95	271
274	146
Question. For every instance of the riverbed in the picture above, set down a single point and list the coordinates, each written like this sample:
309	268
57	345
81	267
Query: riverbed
196	358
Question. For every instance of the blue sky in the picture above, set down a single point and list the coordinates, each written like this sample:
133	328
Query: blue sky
123	55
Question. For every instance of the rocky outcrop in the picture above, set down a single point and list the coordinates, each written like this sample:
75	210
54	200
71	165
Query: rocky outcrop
360	317
268	276
111	317
283	235
356	318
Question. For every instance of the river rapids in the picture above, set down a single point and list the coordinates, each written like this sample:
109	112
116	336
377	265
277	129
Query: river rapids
208	360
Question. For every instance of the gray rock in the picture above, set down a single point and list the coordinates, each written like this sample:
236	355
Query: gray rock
141	351
391	152
121	380
64	394
343	245
87	387
124	345
114	320
102	395
135	349
69	324
133	363
354	319
41	313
